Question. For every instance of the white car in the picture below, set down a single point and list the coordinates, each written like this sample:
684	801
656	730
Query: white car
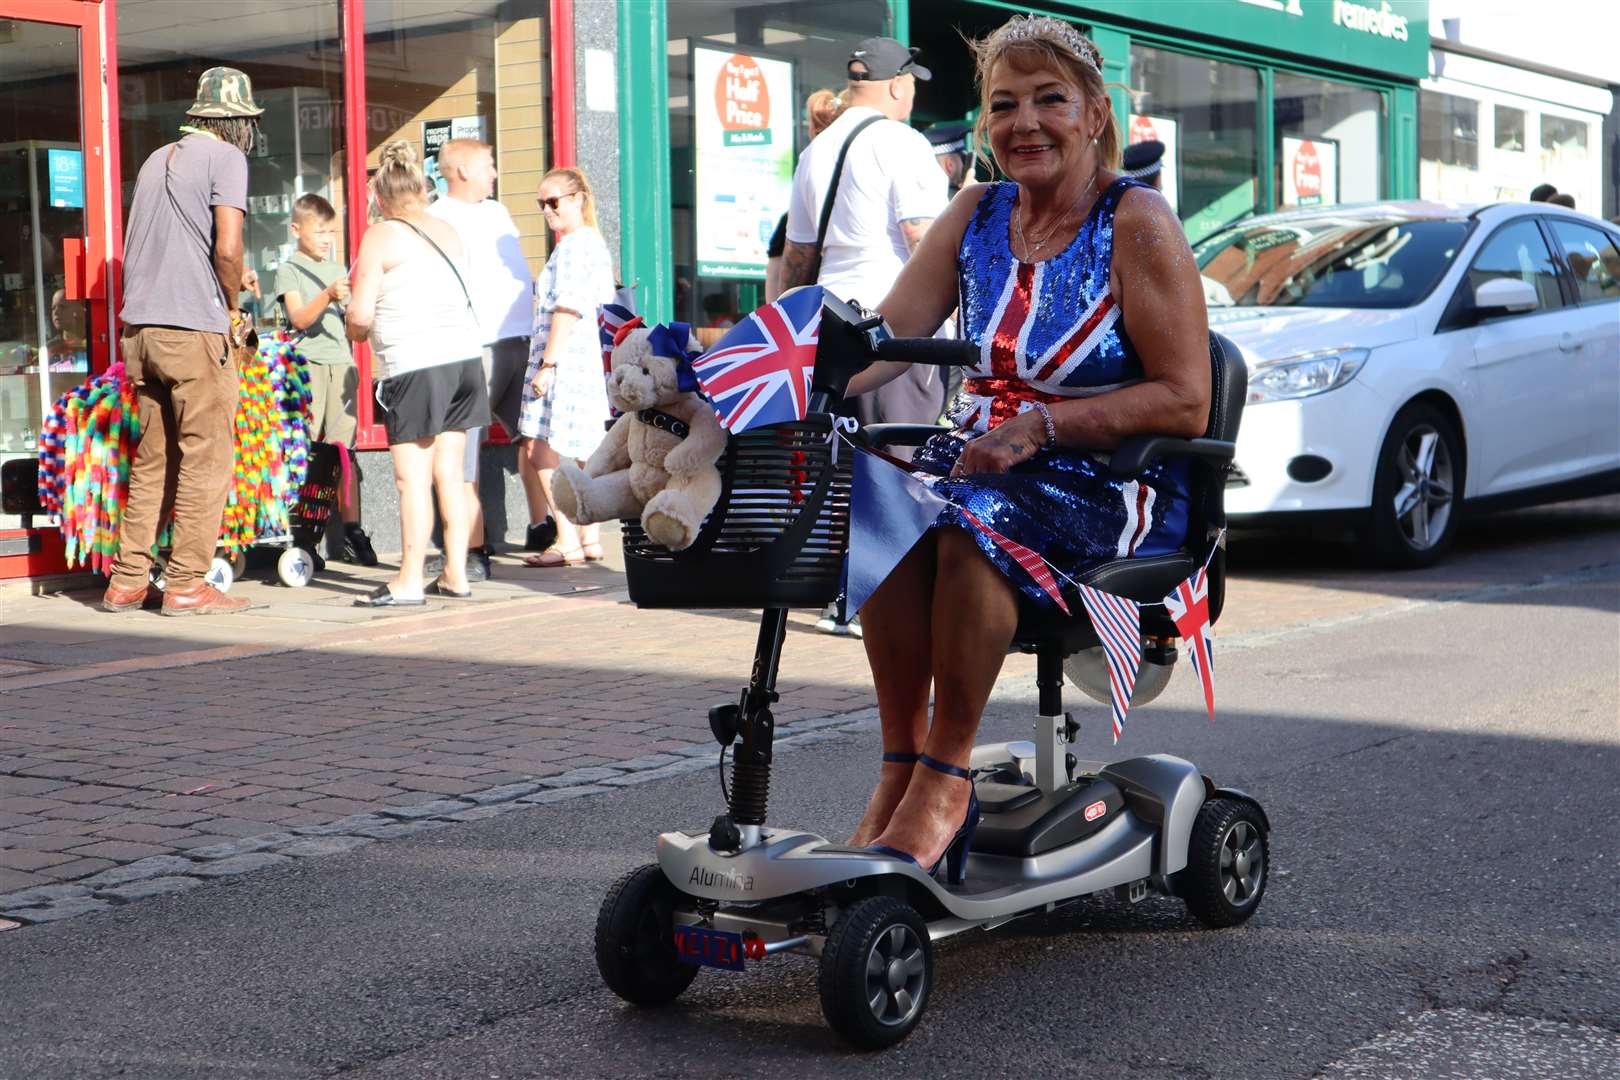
1408	360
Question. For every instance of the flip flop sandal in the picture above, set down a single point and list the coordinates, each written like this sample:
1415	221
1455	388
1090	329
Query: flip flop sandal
439	588
553	557
593	553
383	596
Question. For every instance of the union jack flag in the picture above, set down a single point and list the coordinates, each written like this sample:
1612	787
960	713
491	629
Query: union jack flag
1010	374
1118	623
759	372
610	319
1030	560
1188	606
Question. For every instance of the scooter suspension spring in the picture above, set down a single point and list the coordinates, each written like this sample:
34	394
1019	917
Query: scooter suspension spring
750	791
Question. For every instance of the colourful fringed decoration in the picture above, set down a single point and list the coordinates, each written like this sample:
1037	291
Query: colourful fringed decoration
84	458
272	444
88	442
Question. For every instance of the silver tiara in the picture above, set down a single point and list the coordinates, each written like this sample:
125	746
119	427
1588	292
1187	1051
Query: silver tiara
1043	27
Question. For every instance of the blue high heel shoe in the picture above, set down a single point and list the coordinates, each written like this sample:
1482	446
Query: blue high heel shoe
954	858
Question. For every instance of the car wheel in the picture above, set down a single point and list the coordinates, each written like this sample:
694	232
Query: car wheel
1417	490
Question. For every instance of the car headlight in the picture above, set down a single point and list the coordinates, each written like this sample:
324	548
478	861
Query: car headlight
1302	376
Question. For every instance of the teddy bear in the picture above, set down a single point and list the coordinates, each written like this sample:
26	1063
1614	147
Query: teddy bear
659	458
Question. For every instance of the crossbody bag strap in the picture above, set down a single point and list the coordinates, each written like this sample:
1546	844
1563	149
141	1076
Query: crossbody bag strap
448	261
287	311
832	190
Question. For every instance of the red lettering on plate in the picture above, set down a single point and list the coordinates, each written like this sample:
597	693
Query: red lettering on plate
1096	810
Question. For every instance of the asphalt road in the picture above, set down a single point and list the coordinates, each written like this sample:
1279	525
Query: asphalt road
1441	777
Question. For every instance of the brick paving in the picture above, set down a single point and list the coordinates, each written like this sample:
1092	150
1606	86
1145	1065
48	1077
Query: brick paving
125	767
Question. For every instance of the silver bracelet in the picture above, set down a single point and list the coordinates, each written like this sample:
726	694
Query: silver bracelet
1051	425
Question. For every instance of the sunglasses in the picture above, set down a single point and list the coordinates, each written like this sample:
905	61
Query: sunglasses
554	201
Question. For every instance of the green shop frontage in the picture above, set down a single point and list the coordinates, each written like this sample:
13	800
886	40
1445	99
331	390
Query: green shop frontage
1261	104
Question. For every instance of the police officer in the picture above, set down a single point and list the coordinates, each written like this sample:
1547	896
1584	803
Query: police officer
1144	161
950	142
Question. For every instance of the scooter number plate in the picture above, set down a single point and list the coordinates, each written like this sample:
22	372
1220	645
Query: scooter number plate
703	946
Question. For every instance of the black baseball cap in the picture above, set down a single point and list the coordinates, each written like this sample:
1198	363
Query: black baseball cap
886	58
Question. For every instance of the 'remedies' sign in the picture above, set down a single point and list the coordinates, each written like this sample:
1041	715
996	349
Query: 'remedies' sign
1380	20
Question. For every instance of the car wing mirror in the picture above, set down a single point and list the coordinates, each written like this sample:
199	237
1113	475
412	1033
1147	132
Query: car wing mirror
1509	295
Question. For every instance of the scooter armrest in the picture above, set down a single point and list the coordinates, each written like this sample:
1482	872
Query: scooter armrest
1139	451
899	434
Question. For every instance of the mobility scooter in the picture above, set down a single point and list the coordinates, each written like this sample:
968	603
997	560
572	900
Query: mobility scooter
1054	828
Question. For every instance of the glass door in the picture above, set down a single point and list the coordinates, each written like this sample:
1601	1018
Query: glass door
53	218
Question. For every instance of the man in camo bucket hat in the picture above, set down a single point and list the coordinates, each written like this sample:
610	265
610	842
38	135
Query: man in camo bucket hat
182	324
224	91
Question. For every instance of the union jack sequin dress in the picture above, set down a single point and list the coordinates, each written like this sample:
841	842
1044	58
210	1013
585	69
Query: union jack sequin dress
1048	331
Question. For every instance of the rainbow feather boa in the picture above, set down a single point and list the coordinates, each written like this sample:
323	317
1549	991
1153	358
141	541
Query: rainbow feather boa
88	442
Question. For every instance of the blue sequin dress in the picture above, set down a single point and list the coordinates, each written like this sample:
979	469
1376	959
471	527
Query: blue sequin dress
1048	331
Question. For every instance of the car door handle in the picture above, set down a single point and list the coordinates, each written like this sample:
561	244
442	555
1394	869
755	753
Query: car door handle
1568	342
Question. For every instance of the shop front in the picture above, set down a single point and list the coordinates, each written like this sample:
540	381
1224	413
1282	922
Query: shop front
1261	104
1494	129
337	79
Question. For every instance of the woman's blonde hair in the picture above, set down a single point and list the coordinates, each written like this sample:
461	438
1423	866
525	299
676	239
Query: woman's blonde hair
821	109
399	180
1035	43
576	177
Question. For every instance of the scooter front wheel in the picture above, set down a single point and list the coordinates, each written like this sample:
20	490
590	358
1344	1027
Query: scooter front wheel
635	939
876	972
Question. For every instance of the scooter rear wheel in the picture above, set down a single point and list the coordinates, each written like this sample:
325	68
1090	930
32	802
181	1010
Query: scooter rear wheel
1228	863
876	972
635	939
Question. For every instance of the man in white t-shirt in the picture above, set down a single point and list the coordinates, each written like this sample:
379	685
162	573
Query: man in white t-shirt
502	291
889	192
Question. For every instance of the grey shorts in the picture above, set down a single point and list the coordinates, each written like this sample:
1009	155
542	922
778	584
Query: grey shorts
505	363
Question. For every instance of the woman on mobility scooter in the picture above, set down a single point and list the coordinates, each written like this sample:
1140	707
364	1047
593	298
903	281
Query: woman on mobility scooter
1082	293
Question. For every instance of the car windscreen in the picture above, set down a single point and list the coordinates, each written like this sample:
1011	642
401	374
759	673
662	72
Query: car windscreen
1338	262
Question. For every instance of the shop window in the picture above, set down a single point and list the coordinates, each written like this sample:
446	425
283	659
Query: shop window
1509	128
292	54
1448	129
471	69
729	194
1206	112
1563	136
1593	259
44	336
1329	142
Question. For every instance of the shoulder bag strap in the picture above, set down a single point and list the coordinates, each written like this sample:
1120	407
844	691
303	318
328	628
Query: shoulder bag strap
447	260
832	190
287	311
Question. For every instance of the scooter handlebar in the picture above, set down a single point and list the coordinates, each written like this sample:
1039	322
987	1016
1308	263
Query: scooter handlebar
935	352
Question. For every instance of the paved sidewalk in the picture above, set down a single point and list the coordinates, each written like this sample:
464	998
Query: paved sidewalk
140	749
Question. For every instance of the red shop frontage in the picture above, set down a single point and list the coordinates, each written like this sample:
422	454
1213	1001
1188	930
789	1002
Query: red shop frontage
89	88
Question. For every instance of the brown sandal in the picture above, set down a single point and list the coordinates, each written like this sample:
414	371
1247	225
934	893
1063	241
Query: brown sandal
556	556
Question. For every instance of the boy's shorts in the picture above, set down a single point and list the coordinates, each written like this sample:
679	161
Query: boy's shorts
333	389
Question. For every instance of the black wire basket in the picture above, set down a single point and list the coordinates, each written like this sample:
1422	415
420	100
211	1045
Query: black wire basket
776	537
